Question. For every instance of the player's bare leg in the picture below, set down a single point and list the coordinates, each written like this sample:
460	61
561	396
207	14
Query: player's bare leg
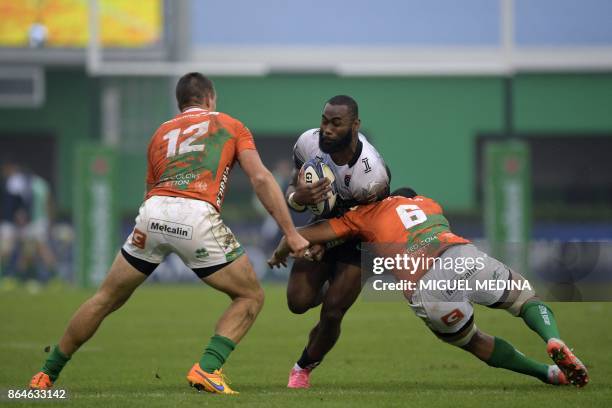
116	289
343	290
306	280
239	281
118	286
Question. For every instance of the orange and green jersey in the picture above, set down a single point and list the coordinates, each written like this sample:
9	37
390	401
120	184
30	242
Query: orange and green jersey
416	224
192	155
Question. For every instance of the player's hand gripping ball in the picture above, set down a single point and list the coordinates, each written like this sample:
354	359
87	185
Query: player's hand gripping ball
313	171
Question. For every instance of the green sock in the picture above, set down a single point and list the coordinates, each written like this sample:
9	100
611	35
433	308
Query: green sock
506	356
540	319
216	352
55	363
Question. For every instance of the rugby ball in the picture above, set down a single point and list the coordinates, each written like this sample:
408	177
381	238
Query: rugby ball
314	170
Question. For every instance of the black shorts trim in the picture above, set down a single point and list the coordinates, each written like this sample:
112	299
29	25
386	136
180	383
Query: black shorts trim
140	264
147	268
459	334
501	303
209	270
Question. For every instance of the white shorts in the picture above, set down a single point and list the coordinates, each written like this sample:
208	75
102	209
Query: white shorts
449	312
192	229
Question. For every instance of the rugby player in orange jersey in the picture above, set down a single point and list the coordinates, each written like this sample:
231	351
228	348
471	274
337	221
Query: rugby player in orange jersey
189	161
412	225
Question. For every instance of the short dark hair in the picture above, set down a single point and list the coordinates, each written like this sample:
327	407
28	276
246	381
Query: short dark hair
404	192
192	88
346	101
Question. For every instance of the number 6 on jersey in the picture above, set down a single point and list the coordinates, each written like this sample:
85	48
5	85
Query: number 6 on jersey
410	215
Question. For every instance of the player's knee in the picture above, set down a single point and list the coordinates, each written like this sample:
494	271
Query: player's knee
297	306
480	345
476	342
108	301
258	298
515	299
297	302
253	300
332	315
523	298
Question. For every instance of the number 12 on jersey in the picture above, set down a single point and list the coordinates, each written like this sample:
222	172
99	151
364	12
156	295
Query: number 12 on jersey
186	146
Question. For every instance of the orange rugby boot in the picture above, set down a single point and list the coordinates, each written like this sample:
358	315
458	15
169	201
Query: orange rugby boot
572	367
215	382
40	381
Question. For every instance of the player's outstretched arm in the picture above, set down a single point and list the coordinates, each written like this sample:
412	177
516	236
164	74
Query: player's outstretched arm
317	233
270	195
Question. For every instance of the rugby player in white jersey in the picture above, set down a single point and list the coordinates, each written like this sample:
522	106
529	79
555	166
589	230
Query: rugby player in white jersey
361	176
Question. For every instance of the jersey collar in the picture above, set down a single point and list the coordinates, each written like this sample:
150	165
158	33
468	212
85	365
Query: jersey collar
355	157
194	109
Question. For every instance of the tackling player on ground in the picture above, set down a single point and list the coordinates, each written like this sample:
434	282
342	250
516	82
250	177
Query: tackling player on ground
189	161
361	176
405	220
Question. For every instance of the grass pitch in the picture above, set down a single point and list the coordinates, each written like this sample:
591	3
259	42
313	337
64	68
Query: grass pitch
385	356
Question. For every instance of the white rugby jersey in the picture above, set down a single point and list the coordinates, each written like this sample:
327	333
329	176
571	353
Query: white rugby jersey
365	174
